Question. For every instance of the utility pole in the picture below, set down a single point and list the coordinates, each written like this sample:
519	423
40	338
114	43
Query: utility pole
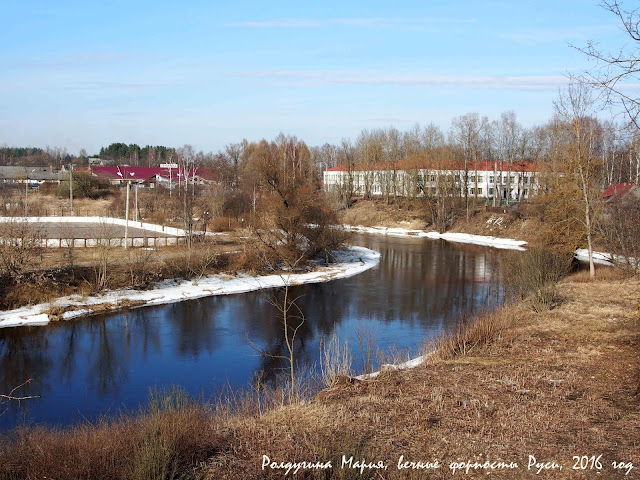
26	192
126	215
136	213
71	188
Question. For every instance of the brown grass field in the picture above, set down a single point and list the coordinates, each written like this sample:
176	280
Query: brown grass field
562	385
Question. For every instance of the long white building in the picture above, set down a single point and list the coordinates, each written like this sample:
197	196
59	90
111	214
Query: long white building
482	179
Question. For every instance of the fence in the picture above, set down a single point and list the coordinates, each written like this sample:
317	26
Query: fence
64	234
85	242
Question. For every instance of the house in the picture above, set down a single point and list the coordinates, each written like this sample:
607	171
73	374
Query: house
152	176
483	179
35	175
620	191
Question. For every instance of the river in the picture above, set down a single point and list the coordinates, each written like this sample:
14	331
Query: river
105	364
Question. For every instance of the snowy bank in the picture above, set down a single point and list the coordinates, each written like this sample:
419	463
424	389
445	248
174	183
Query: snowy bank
504	243
603	258
414	362
348	263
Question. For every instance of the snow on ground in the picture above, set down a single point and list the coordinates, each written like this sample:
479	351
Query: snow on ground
504	243
603	258
351	262
152	227
414	362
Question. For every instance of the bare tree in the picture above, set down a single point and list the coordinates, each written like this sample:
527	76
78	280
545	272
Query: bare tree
582	165
466	134
613	70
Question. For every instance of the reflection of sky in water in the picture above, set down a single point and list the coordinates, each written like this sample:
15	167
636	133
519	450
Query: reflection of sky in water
103	364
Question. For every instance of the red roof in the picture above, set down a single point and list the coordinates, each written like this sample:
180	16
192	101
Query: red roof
482	166
619	190
145	173
616	192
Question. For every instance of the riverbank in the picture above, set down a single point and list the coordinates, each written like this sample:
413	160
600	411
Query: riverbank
553	385
347	263
484	240
514	384
412	215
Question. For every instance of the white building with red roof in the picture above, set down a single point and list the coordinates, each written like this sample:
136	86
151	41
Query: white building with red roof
484	179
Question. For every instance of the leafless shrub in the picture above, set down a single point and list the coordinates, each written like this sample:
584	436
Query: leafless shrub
223	224
620	226
335	360
195	263
104	254
535	273
21	247
143	267
469	334
366	341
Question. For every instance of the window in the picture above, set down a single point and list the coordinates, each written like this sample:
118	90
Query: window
491	178
526	192
433	190
513	179
479	191
457	178
525	180
491	192
480	179
433	178
472	191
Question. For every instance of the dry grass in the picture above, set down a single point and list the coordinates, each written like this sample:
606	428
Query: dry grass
404	214
515	383
169	437
472	334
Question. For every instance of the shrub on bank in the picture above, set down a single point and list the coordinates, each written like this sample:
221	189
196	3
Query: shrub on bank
535	274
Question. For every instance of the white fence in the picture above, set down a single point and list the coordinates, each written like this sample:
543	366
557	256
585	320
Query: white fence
170	235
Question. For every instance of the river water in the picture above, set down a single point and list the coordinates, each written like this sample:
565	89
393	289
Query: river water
102	365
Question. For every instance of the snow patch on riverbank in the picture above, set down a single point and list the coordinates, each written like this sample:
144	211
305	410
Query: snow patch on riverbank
603	258
414	362
348	263
504	243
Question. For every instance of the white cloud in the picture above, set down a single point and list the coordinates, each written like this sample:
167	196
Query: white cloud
500	82
364	22
536	36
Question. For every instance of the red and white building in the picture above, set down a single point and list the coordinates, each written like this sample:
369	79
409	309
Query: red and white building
484	179
152	176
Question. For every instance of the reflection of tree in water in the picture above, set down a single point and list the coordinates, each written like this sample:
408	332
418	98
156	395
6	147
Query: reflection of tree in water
69	350
419	282
24	354
143	331
428	282
194	324
271	331
109	355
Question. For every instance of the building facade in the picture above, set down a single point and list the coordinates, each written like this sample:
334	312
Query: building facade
517	181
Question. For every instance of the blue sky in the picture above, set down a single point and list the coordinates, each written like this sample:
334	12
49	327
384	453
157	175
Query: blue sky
85	74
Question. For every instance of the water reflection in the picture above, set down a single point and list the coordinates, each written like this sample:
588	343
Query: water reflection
101	364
